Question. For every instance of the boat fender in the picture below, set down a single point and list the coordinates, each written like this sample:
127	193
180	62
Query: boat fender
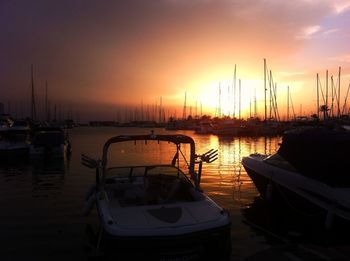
269	191
90	199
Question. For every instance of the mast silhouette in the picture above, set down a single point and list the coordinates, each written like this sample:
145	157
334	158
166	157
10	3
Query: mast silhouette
234	91
318	97
184	116
287	103
33	109
46	103
339	91
265	89
239	90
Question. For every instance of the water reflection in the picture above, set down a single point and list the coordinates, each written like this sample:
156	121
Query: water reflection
48	177
55	191
226	176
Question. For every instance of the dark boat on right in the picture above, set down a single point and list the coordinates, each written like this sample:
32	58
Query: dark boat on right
310	171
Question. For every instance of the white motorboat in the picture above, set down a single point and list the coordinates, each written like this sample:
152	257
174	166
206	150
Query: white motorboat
49	142
309	172
157	209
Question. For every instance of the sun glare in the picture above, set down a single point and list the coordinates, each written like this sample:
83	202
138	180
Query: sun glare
224	98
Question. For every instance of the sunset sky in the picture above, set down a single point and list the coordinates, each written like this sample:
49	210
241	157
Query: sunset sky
96	55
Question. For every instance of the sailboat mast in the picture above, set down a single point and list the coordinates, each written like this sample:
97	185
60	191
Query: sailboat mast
332	92
265	90
219	105
287	103
160	109
234	92
239	99
142	114
318	97
33	110
326	92
184	116
46	103
345	100
255	105
250	108
339	91
271	95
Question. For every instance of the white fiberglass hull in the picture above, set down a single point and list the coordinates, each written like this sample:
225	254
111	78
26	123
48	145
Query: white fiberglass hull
147	220
271	180
194	230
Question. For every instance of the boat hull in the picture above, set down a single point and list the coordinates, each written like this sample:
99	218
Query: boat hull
282	196
211	244
48	152
286	189
14	155
190	237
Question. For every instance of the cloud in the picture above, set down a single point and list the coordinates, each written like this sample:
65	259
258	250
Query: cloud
345	58
341	6
330	31
153	47
309	31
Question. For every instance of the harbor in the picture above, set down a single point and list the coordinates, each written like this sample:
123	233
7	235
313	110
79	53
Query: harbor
264	192
175	130
46	217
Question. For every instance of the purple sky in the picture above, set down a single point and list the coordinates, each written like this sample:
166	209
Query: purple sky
105	53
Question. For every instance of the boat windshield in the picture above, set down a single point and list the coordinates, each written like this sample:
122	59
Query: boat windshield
144	171
152	155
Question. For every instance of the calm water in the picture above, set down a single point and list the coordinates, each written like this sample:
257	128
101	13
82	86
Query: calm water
41	204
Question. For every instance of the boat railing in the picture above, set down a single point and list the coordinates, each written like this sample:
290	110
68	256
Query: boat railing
207	157
92	164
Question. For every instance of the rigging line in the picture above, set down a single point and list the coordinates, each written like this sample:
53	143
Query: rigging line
183	157
271	97
178	160
276	106
346	97
291	103
336	95
273	93
323	98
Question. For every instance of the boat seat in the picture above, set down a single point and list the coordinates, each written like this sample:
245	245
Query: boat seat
171	192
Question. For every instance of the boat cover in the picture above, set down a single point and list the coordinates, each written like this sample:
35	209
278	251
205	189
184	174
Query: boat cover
319	153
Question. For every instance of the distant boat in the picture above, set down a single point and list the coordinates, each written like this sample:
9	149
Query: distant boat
20	125
158	209
205	127
226	127
310	171
49	142
14	144
4	121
